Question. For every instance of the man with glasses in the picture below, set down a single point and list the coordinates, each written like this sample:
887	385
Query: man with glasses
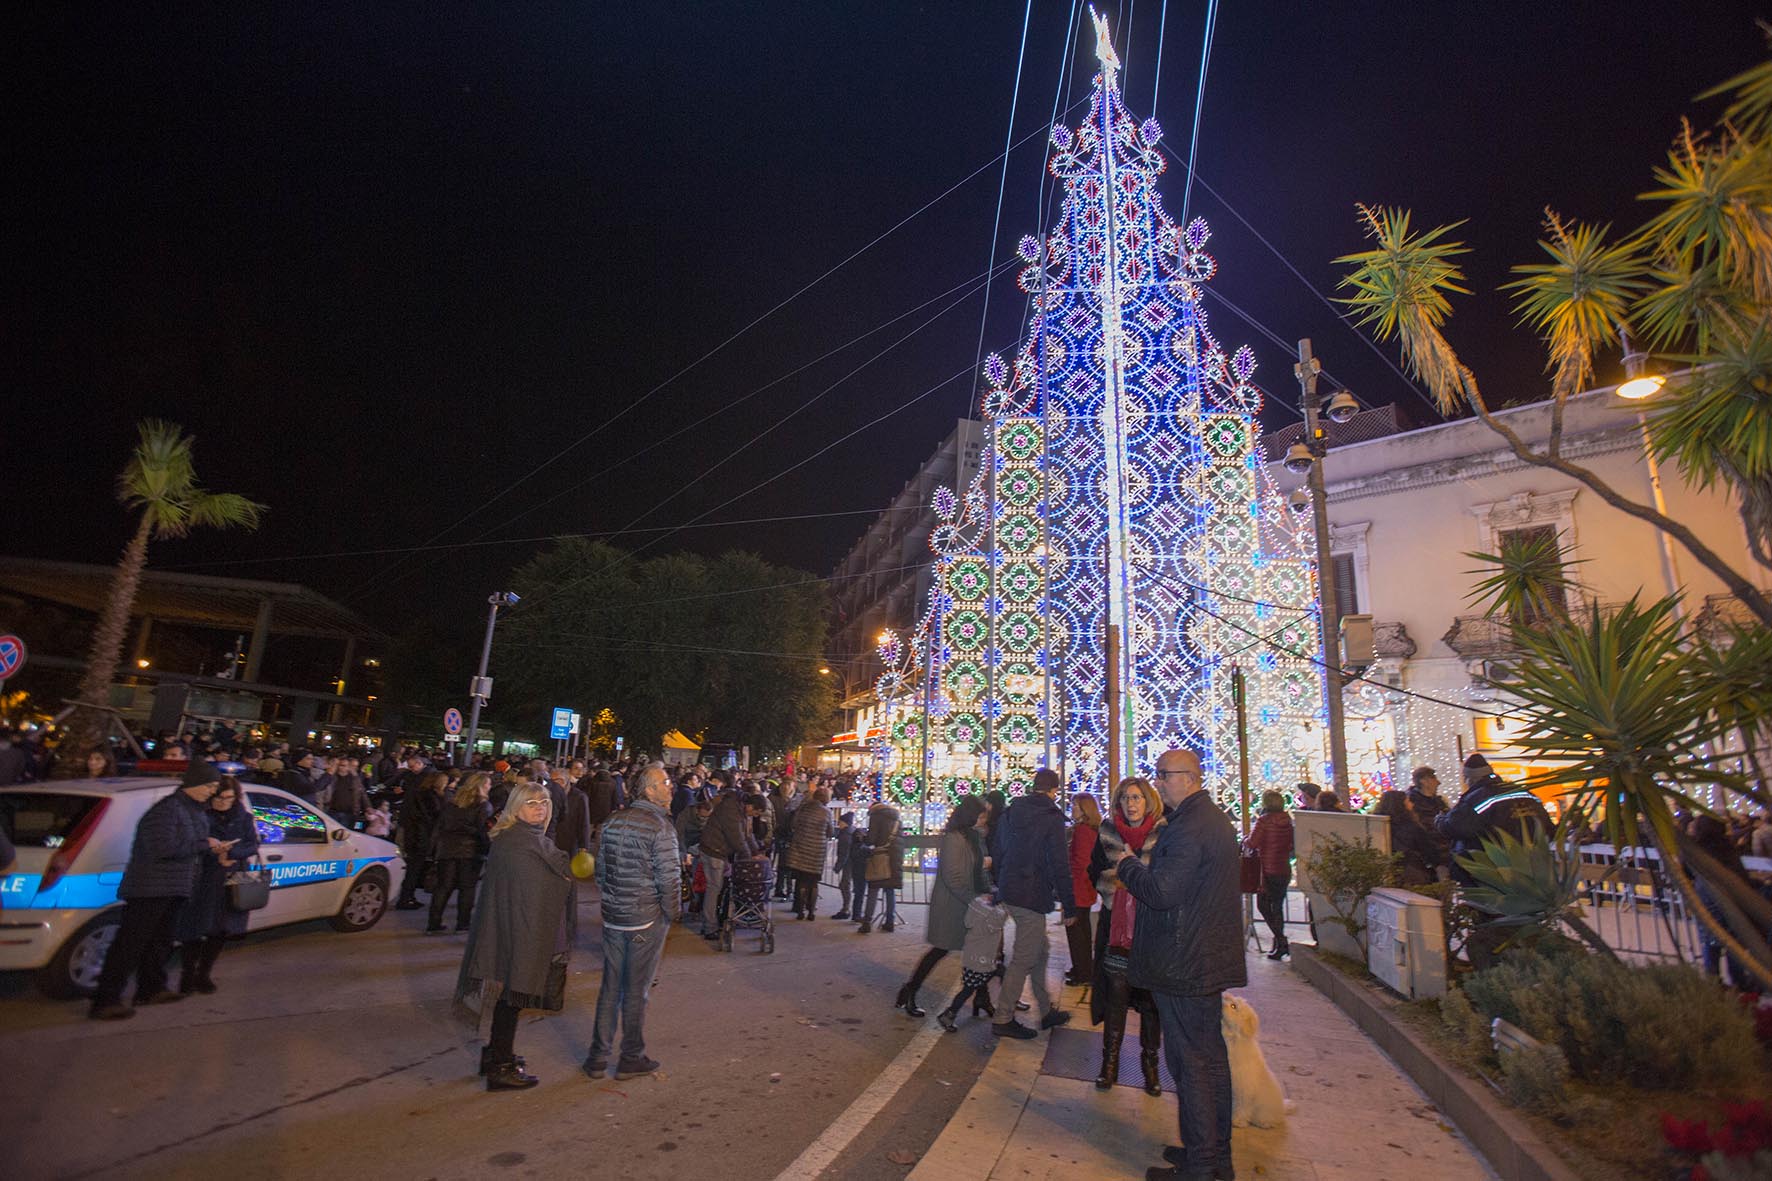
1187	948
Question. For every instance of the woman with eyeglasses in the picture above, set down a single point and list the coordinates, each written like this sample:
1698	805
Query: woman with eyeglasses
521	936
206	921
1136	817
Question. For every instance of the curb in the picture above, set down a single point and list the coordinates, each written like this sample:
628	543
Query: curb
1510	1146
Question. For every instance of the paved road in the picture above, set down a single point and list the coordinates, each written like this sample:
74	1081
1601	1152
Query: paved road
329	1053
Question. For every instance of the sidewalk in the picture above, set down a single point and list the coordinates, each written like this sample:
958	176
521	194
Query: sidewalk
1356	1115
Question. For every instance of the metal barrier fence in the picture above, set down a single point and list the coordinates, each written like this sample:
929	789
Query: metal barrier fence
1633	906
919	867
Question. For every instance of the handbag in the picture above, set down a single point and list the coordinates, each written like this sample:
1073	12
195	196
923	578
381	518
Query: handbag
249	889
879	863
1250	870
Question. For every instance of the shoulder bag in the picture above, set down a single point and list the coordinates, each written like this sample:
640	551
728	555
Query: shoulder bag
250	888
879	865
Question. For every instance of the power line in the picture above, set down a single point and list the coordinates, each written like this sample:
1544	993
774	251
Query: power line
1187	189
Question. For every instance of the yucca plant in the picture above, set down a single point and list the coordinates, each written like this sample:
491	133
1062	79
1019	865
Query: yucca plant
160	481
1526	885
1696	280
1527	579
1629	709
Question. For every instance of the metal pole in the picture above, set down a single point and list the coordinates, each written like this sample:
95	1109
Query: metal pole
474	708
1113	706
1307	370
1239	695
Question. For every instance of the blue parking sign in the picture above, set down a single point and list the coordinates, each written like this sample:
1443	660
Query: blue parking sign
562	723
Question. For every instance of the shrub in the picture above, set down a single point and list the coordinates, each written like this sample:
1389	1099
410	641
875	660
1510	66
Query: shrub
1344	872
1659	1027
1463	1022
1536	1078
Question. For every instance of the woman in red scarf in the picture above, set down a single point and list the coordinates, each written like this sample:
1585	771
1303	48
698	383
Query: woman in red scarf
1137	815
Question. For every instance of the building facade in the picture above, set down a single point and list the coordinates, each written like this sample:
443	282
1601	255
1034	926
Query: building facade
1406	508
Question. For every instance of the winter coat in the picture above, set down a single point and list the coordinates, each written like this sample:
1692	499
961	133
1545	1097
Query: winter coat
1416	846
1033	868
520	923
689	823
300	782
347	798
1488	809
574	830
984	921
419	812
845	843
1189	937
885	834
461	832
1107	883
726	834
960	877
206	912
1272	838
170	841
1083	840
639	867
603	797
807	839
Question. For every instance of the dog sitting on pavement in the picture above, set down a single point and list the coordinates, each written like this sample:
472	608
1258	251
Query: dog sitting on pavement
1256	1099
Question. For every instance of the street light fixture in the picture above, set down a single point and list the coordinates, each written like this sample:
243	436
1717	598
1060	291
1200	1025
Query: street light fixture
1306	458
481	690
1640	384
1299	459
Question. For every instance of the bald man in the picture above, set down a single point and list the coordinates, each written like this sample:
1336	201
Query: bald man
1187	948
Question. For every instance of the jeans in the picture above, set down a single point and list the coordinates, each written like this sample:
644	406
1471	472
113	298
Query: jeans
858	888
141	948
874	891
714	870
460	875
629	960
1193	1043
1271	902
1026	964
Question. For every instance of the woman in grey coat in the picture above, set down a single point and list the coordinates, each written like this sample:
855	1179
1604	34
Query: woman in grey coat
810	831
882	837
520	937
959	878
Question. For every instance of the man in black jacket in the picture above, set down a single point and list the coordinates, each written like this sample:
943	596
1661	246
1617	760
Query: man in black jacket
1187	948
169	845
1488	807
1033	873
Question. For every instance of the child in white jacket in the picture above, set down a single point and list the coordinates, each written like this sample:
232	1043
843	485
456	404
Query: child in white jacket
978	959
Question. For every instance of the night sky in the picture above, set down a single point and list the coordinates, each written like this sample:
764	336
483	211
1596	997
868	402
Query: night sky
388	261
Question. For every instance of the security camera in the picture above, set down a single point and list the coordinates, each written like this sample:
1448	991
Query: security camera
505	599
1298	459
1298	500
1341	407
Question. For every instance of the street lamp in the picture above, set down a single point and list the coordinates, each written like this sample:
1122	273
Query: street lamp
1306	458
481	690
1638	386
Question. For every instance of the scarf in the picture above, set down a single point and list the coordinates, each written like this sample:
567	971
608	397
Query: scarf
1125	905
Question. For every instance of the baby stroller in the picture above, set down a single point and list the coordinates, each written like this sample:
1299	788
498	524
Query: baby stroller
745	902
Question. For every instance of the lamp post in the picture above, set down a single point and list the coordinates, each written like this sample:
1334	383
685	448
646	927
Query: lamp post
1306	458
481	689
1638	386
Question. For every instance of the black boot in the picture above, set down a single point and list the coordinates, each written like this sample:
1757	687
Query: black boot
945	1019
486	1063
907	1000
1281	949
982	1007
1113	1032
508	1076
1150	1043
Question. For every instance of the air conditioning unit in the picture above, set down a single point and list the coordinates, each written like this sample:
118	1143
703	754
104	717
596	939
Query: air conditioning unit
1356	642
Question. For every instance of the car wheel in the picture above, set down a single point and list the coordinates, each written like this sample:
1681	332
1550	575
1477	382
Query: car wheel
364	905
74	970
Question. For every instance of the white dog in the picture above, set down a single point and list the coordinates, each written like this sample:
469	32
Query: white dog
1255	1092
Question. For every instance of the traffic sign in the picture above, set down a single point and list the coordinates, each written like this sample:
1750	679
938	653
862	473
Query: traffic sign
452	721
12	655
562	723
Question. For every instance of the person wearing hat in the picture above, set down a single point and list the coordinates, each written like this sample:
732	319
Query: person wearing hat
1488	807
164	859
298	778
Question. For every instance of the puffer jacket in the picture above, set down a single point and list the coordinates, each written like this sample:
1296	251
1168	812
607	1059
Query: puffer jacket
168	849
1188	939
461	832
809	835
726	835
1272	838
639	866
1033	868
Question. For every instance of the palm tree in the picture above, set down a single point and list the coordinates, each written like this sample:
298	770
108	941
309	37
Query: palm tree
1637	714
1695	280
160	480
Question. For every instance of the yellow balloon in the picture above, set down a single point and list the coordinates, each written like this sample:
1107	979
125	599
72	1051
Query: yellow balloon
583	864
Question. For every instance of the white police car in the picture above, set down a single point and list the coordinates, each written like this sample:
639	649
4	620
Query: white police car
59	908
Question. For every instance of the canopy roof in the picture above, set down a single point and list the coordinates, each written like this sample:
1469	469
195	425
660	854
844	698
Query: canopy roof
676	740
202	600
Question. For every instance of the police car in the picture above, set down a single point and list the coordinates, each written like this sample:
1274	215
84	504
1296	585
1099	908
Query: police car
59	908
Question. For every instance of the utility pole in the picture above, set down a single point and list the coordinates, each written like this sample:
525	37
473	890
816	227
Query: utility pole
1307	370
1112	705
481	689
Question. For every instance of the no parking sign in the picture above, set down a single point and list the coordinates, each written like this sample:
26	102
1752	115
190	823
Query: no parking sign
12	655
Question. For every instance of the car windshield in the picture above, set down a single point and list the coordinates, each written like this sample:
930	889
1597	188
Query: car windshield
42	819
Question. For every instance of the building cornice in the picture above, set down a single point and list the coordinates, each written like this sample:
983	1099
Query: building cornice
1494	462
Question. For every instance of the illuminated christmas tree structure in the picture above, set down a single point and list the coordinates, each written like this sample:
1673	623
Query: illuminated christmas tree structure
1120	484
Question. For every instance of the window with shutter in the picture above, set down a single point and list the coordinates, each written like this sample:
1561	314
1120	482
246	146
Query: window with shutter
1347	591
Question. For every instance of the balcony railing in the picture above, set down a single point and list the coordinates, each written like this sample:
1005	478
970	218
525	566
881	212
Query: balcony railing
1486	637
1721	614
